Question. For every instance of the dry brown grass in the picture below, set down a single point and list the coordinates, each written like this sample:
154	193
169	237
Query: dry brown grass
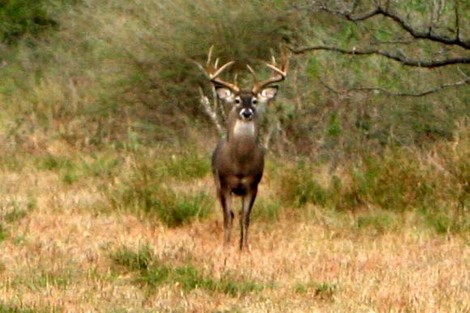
56	259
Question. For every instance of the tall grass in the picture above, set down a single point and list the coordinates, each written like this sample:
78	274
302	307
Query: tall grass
399	180
119	76
150	189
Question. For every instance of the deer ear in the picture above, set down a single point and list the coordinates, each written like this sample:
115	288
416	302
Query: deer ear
268	93
224	93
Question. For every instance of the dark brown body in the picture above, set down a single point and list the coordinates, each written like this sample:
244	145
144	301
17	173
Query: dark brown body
237	165
238	159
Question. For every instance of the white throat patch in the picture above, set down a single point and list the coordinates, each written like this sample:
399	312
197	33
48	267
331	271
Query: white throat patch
244	128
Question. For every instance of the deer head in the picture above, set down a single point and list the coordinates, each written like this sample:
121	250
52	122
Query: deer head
245	101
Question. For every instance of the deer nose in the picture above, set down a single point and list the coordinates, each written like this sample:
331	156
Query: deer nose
246	113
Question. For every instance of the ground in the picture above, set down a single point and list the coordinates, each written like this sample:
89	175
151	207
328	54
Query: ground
68	253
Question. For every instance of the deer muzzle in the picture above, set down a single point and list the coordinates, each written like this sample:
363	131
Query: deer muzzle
246	113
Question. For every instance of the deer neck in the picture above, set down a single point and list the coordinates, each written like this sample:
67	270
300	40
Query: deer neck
242	138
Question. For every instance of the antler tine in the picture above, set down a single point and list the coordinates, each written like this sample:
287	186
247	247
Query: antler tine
213	71
279	73
221	69
277	70
252	72
209	56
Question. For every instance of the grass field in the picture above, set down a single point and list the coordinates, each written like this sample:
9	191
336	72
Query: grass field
66	248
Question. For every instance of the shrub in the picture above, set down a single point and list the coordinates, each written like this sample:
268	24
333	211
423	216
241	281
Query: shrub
398	180
22	17
299	187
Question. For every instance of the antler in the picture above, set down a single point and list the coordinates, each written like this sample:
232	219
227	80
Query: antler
213	71
278	75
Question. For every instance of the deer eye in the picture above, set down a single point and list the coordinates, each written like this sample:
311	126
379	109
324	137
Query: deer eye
254	101
237	100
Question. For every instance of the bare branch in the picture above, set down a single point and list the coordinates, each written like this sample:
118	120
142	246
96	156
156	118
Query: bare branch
212	114
417	34
397	57
462	82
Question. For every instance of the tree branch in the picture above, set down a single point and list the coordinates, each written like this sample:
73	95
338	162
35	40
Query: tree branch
211	113
462	82
379	10
397	57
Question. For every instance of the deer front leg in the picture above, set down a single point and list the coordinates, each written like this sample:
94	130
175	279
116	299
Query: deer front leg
226	202
247	204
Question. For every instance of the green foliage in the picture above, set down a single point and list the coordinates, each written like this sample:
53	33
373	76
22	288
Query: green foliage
152	273
132	75
21	17
144	192
395	182
399	180
67	169
334	127
299	186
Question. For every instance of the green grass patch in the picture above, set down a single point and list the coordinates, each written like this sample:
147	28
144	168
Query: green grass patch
399	180
446	221
320	290
132	260
175	209
4	308
186	166
3	232
299	186
266	210
73	169
13	211
145	191
151	273
170	207
16	210
381	187
45	278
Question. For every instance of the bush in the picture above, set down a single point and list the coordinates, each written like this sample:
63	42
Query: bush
299	186
398	180
21	17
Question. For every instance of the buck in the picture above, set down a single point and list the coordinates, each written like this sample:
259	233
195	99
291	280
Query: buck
238	159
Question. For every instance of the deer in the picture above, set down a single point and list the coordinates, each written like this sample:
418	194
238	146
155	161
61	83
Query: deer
238	159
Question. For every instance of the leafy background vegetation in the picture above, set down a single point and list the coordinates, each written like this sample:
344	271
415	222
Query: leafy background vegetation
104	95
